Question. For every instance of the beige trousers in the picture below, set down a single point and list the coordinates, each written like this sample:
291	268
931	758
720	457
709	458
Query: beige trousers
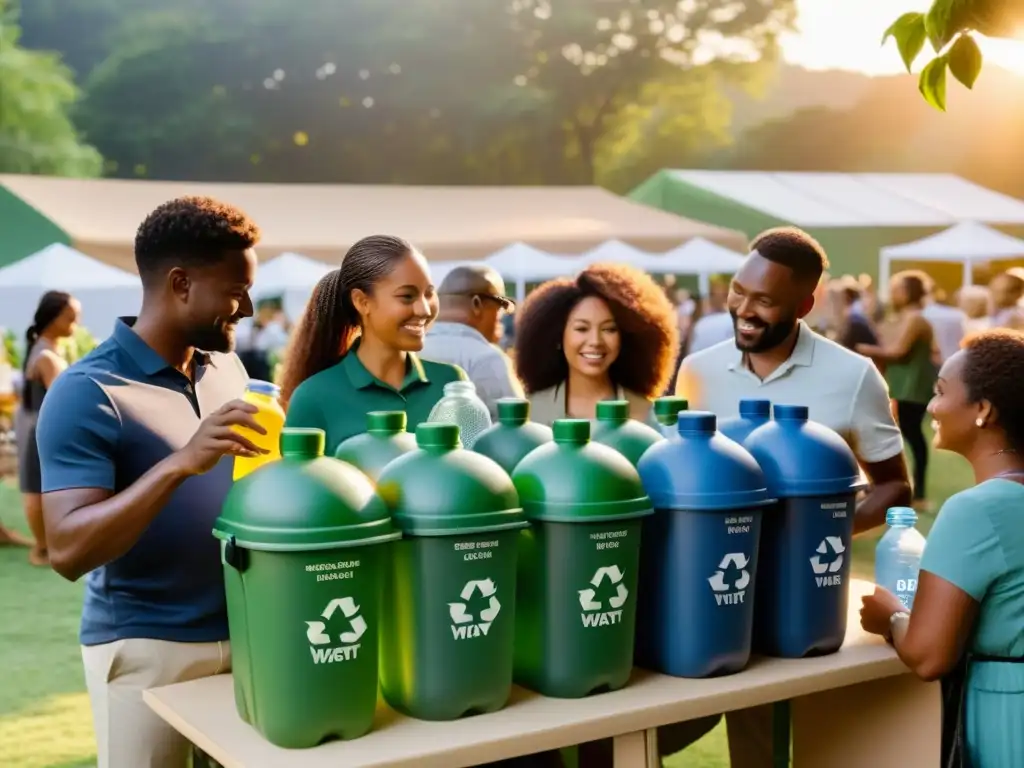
128	733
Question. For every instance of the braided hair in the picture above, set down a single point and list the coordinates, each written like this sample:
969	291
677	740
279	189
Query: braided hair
51	306
330	324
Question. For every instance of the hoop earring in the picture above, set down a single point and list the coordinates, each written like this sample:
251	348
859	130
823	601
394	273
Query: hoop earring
979	422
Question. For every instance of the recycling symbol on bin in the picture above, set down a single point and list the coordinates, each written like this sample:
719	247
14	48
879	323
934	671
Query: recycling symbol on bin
316	630
614	576
736	564
832	544
487	590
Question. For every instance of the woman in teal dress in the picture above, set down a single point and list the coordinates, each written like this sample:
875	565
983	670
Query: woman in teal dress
970	595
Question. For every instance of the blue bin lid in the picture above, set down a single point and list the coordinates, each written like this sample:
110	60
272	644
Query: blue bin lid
801	457
702	469
753	413
756	409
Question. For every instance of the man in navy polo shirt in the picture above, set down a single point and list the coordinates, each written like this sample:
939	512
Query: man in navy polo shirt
136	445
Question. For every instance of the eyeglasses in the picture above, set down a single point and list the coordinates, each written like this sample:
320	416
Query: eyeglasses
506	304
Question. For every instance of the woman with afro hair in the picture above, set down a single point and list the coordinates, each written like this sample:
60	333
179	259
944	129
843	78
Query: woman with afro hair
609	333
965	628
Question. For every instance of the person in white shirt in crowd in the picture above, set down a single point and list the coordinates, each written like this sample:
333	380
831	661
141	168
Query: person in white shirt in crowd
262	340
1007	289
467	331
975	302
686	315
949	324
715	326
776	356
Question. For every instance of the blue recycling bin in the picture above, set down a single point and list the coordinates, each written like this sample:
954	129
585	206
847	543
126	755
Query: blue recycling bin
753	414
804	572
699	552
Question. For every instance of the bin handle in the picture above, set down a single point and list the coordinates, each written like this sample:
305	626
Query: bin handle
234	555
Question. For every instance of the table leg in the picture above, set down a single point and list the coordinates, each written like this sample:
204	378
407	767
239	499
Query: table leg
636	750
202	760
895	721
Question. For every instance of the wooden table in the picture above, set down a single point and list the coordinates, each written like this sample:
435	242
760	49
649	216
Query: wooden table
858	707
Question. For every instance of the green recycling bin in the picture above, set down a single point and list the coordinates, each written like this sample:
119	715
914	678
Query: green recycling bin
384	440
613	427
304	541
449	620
578	565
514	436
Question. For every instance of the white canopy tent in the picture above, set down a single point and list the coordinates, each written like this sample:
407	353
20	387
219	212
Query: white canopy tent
968	243
105	292
615	251
290	276
699	257
522	264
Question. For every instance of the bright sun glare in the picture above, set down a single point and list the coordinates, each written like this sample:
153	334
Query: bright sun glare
847	34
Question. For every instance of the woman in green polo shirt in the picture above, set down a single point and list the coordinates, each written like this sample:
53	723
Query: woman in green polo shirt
354	349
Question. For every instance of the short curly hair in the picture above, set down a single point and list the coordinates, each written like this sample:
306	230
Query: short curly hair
993	369
792	247
191	231
645	316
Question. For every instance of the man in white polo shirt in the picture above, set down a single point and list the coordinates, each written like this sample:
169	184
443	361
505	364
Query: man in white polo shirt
776	356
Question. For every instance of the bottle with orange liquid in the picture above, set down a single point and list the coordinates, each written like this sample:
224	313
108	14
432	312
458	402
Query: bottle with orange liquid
264	395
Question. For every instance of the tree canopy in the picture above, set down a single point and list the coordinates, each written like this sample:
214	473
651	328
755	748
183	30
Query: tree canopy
37	92
417	91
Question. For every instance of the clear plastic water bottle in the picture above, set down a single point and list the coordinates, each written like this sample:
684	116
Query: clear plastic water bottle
462	406
898	555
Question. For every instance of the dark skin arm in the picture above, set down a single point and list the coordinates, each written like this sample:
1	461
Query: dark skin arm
890	487
939	628
89	527
916	328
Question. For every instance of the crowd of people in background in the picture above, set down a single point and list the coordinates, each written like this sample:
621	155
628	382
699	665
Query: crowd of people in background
908	337
123	477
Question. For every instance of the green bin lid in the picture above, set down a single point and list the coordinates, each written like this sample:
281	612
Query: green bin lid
384	441
613	410
440	489
614	428
574	480
385	422
666	409
302	443
304	502
513	411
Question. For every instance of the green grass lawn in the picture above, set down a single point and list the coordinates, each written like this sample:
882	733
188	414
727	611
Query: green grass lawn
44	711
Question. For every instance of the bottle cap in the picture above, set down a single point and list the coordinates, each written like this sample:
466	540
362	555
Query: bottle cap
263	388
761	409
437	435
513	411
790	412
576	431
696	423
901	516
613	410
302	443
387	422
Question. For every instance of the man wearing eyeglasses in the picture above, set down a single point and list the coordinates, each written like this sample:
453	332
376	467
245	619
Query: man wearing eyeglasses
469	326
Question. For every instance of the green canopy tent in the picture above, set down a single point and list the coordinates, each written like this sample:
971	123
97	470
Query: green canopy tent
853	215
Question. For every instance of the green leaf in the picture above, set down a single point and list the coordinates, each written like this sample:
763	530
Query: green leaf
932	82
938	24
910	40
906	20
965	60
